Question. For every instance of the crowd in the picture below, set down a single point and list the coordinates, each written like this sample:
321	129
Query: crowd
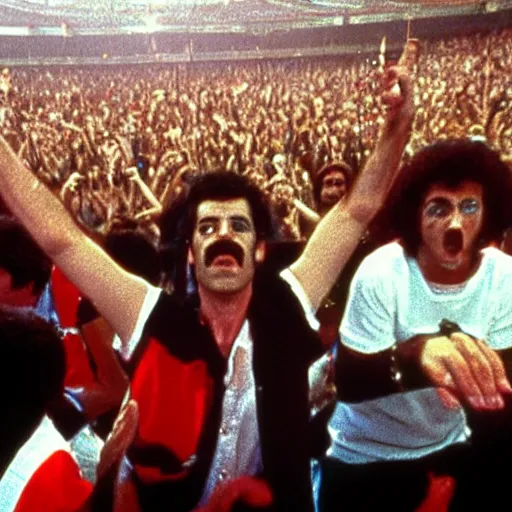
98	136
124	153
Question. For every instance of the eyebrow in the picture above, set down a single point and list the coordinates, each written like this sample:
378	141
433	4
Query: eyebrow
212	218
447	200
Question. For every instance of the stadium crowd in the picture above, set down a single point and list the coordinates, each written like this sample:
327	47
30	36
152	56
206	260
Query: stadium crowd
135	157
83	130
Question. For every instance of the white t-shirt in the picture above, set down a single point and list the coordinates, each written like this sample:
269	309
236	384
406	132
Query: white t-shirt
390	301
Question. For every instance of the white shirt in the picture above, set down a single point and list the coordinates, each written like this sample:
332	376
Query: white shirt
389	302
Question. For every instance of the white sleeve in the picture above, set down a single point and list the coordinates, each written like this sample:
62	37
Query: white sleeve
368	323
499	335
299	292
126	350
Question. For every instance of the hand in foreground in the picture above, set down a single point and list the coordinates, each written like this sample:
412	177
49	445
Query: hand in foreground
250	490
465	369
114	491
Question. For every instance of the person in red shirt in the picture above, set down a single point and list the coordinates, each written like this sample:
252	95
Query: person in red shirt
37	470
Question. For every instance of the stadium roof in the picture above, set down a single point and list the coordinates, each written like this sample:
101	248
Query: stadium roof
168	15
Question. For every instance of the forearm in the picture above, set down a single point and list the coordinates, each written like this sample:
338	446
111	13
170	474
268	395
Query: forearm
34	204
370	189
98	335
361	377
338	233
309	214
148	194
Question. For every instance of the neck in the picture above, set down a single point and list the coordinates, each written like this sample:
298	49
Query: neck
225	314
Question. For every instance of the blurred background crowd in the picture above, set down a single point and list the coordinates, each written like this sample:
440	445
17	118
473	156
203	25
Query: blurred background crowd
119	143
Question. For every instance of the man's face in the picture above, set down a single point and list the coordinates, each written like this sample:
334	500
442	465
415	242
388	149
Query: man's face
334	187
224	248
451	221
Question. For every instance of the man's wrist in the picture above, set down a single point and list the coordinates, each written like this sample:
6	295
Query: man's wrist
407	359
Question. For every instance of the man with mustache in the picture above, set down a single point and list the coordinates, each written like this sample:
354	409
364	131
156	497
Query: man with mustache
221	378
425	397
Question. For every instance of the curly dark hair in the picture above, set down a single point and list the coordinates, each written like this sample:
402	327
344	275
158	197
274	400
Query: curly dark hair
449	163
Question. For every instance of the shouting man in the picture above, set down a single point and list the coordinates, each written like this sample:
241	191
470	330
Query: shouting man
428	325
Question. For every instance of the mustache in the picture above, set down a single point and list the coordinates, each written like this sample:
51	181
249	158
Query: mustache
224	247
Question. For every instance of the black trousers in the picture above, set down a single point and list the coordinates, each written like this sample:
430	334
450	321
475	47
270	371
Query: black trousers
482	470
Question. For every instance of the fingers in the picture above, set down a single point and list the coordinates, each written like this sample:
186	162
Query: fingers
498	368
122	435
467	368
446	367
478	359
397	91
448	399
466	386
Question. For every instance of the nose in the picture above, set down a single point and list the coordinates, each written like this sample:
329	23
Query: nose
456	220
224	228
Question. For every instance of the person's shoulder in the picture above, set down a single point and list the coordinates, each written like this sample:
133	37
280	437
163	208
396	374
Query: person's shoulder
493	254
383	260
497	263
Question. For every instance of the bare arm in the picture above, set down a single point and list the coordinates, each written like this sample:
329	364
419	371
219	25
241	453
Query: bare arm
117	295
112	382
339	232
306	212
156	207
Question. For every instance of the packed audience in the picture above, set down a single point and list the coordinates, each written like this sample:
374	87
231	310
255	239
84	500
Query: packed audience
117	143
131	155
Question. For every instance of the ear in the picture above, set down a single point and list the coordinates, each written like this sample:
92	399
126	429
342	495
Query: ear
190	257
261	251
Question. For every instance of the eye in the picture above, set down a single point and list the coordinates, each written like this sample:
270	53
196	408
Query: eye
469	206
436	209
240	225
206	228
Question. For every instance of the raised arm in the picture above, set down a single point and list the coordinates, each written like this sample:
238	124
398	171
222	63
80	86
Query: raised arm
339	232
117	295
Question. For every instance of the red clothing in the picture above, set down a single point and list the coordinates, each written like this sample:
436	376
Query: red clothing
66	299
43	476
56	486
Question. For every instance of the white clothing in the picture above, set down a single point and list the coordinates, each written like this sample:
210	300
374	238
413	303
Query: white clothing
389	302
43	443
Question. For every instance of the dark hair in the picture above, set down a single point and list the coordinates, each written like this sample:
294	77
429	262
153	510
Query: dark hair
135	253
449	163
179	222
33	369
21	257
327	169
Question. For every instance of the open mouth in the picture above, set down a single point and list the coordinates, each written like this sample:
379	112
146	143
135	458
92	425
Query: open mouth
225	260
453	242
224	253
